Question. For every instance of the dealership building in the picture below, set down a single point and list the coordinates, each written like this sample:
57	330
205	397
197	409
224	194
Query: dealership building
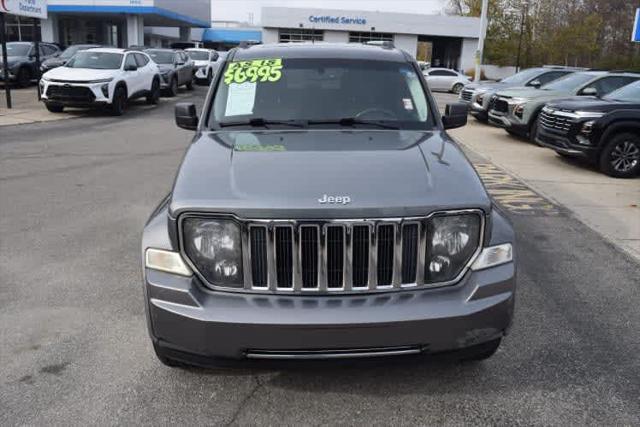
120	23
449	41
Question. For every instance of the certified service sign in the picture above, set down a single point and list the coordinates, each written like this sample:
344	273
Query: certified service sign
30	8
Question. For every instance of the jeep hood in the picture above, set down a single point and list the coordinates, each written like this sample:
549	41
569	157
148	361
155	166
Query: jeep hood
282	174
80	74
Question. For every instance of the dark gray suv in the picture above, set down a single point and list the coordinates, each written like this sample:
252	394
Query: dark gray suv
176	69
322	211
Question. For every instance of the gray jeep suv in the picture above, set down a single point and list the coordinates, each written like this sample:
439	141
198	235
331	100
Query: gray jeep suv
322	211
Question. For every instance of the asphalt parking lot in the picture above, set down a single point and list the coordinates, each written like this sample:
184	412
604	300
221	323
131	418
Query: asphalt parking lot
74	195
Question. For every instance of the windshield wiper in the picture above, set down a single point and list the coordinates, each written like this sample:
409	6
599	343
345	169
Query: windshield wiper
350	121
261	122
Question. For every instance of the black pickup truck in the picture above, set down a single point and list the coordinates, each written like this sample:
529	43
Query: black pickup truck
604	130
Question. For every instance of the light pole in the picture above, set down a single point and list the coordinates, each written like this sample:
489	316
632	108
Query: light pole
483	33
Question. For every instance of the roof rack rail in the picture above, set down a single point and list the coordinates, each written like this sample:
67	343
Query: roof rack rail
244	44
386	44
564	67
624	71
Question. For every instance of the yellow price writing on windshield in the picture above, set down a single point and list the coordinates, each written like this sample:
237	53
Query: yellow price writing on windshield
257	70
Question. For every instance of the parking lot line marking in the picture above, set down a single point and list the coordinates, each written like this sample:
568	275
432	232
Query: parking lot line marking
512	194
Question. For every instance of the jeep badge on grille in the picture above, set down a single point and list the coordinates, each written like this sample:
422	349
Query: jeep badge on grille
334	200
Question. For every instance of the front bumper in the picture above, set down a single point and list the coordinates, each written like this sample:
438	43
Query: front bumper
508	121
187	318
564	144
76	94
478	111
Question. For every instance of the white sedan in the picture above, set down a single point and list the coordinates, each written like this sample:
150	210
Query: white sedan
444	79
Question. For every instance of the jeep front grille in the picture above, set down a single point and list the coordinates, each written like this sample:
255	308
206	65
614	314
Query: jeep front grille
329	256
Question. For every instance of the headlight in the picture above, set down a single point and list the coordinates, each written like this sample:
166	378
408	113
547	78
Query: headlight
44	78
451	242
587	127
518	110
588	114
101	80
215	249
479	98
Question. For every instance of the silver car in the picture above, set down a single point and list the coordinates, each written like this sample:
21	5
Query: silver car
444	79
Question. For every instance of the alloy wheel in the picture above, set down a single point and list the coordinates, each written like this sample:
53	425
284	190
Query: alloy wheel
625	156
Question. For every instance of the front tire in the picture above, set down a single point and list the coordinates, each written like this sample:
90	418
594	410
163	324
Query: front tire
173	88
457	88
154	94
54	108
620	157
119	102
533	131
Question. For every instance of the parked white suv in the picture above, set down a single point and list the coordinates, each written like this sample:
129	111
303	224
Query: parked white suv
204	63
101	77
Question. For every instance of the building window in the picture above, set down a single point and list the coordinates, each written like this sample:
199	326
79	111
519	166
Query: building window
366	36
296	35
21	29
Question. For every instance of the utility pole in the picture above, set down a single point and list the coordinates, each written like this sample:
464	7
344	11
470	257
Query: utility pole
5	65
483	33
525	9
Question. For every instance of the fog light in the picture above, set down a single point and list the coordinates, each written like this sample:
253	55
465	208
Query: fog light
105	90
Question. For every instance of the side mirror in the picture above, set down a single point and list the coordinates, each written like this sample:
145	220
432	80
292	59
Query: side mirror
186	116
215	57
455	115
535	83
589	91
130	67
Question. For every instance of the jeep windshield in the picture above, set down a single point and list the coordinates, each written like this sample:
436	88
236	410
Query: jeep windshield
96	60
324	93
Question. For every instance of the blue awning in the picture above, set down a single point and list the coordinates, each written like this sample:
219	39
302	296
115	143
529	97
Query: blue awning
148	11
231	35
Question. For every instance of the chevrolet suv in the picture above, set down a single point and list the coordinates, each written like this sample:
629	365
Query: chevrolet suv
322	211
517	110
102	77
477	95
176	69
605	131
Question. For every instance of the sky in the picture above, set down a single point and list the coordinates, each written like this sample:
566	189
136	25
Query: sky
247	10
